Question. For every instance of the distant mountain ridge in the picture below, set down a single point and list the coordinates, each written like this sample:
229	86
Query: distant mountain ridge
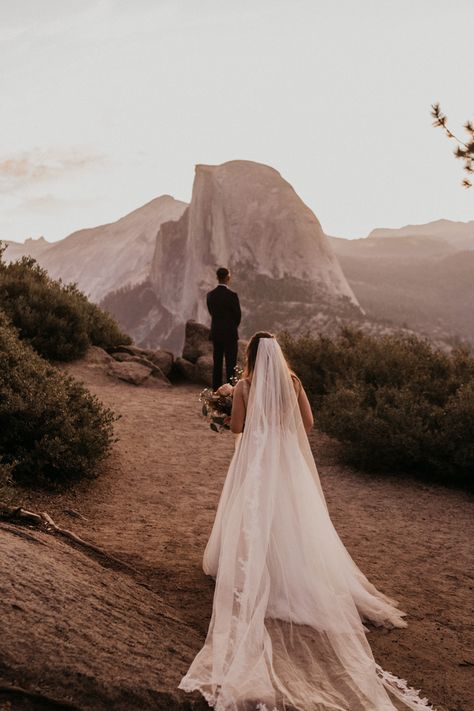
31	247
458	234
420	276
102	259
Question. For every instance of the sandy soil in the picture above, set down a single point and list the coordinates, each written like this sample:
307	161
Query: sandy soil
154	503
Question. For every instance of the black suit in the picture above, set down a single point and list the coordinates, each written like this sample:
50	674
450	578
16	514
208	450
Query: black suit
224	307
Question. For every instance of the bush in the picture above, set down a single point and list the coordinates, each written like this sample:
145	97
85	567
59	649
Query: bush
51	428
57	320
395	402
101	327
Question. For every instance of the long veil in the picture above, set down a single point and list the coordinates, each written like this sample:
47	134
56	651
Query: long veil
287	629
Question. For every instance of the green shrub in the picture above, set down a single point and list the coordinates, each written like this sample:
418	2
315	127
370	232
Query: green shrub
101	327
6	487
51	428
57	320
395	402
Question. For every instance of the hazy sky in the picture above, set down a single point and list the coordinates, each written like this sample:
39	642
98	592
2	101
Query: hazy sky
106	104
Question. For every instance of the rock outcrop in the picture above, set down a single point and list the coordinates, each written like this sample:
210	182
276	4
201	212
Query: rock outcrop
80	632
244	215
196	362
129	364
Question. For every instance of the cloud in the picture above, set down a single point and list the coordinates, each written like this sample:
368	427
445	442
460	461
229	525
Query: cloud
32	167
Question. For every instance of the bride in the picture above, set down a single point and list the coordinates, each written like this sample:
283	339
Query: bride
287	629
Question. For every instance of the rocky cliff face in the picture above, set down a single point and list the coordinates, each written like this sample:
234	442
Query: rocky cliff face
244	215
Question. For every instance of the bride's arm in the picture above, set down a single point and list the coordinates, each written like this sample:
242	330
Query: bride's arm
305	409
237	418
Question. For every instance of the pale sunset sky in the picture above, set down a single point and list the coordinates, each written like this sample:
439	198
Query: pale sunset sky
107	104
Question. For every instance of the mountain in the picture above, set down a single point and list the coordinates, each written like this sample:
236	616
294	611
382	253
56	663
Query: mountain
245	216
102	259
458	234
421	276
30	247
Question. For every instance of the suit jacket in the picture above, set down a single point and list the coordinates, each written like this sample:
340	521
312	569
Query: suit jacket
224	307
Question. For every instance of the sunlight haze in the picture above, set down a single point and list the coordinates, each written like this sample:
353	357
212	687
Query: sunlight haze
107	104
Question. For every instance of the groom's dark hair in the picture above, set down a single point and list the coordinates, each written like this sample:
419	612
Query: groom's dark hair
222	273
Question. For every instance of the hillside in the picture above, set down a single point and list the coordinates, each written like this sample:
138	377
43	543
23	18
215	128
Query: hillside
420	277
104	258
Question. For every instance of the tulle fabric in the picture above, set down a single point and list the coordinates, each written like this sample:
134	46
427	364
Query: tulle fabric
287	630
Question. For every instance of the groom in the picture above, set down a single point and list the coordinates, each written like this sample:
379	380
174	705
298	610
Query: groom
224	307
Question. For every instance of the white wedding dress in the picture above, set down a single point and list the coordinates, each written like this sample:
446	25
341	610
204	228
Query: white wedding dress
287	628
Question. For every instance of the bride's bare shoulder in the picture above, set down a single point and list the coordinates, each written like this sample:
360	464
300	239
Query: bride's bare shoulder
242	384
242	388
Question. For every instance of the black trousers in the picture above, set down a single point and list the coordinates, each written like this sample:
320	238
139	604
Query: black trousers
221	349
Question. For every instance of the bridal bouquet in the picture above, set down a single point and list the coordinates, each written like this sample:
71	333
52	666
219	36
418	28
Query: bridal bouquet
217	407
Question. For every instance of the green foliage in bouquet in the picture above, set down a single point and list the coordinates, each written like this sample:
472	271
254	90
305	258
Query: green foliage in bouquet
52	429
395	402
57	320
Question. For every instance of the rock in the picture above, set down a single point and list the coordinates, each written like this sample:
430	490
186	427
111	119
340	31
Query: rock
125	348
203	370
196	341
123	357
130	372
196	365
186	369
245	216
97	356
158	358
84	633
163	359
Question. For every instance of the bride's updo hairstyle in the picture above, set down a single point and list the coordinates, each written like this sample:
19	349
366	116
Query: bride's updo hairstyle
251	352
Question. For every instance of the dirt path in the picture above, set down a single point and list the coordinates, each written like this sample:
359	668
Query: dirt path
154	505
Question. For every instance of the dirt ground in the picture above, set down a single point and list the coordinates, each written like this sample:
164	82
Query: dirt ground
154	502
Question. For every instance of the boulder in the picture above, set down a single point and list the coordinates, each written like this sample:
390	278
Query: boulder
97	356
203	370
185	369
156	371
162	359
196	341
83	634
125	348
196	364
130	372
